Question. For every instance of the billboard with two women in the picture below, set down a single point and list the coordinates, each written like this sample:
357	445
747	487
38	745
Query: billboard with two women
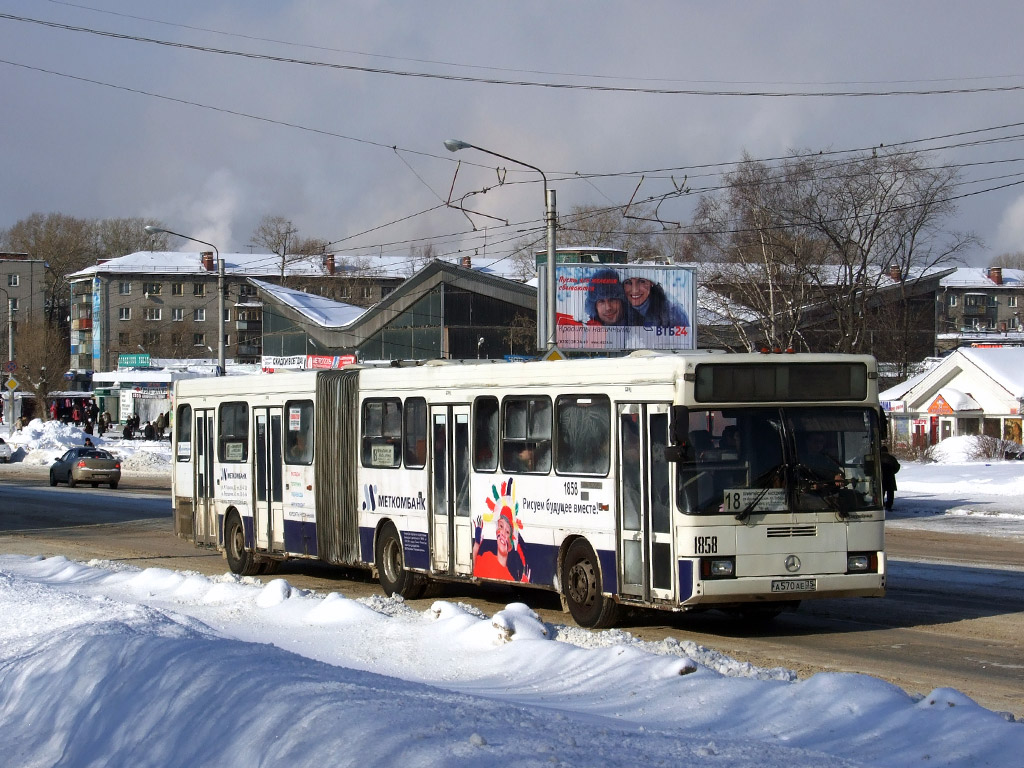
625	307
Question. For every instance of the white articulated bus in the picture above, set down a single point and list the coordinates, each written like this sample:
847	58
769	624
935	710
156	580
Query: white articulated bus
745	482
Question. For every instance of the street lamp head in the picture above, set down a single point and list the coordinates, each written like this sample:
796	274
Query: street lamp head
454	145
153	230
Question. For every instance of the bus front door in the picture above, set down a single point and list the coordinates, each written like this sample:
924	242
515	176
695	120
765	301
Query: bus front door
205	482
646	557
451	534
268	511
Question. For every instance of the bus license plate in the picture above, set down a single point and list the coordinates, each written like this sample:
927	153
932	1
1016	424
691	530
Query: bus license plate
794	585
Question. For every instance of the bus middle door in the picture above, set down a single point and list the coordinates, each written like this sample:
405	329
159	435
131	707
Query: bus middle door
205	483
268	511
451	534
646	557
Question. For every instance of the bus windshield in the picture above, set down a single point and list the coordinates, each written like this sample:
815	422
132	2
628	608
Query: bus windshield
739	461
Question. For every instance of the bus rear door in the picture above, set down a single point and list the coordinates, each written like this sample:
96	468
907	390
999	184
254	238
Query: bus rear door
646	554
268	511
451	543
205	482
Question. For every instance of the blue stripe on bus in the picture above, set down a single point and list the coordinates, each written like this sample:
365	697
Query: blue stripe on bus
609	572
300	537
685	579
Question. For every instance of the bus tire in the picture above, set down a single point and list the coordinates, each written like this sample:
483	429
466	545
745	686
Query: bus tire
240	559
391	572
269	567
581	585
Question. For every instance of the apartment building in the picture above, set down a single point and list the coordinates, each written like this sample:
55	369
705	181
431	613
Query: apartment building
166	303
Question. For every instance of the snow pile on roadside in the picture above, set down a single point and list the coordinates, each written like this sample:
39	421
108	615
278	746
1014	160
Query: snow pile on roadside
40	443
157	667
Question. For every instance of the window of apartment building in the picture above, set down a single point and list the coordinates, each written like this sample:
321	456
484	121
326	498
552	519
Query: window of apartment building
198	289
152	313
346	292
249	315
198	339
177	314
177	289
122	339
952	300
13	305
991	324
973	300
152	289
246	290
124	287
366	292
1011	301
199	315
12	281
175	340
150	339
227	315
993	301
386	290
124	313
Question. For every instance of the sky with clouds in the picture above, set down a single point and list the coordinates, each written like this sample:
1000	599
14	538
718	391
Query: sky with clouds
208	114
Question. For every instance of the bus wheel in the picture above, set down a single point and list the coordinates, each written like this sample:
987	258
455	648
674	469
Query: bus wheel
240	560
581	583
390	561
269	567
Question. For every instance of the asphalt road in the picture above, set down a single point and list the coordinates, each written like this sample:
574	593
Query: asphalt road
953	615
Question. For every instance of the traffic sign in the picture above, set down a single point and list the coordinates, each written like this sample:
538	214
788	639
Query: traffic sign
11	366
554	354
12	384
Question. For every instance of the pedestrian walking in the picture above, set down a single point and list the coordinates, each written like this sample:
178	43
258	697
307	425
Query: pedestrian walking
890	466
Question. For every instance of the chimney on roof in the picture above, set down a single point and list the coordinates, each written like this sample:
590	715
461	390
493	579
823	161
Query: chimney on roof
329	263
895	272
467	262
995	274
207	257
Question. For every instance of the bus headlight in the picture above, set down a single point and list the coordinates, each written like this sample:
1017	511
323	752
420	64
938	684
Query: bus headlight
718	567
862	562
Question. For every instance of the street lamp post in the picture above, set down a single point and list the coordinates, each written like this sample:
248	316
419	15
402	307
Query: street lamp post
220	291
550	219
9	404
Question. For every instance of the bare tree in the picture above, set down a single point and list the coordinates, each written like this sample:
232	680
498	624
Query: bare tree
118	237
633	230
43	356
815	240
273	233
521	336
1010	260
65	243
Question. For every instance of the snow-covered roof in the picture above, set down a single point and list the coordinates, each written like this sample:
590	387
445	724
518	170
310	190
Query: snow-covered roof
269	265
1004	364
325	312
959	401
986	379
978	277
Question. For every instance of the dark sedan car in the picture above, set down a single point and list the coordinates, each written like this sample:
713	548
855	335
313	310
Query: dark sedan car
86	465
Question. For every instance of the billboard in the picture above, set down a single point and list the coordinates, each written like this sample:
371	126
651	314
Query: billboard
625	307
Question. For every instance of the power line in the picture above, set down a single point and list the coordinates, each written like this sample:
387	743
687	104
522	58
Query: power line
492	68
716	92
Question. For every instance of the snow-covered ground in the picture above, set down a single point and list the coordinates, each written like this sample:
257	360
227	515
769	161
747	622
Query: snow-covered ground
104	664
